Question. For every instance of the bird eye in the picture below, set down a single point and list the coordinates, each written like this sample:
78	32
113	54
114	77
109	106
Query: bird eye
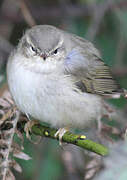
33	49
55	52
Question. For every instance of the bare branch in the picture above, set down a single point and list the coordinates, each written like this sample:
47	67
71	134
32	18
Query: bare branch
54	12
98	15
26	14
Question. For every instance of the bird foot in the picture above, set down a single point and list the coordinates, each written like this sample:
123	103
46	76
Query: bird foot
60	134
28	127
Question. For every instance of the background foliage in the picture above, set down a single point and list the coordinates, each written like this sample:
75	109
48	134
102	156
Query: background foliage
105	24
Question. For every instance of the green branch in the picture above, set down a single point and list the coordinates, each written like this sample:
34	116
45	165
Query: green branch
68	137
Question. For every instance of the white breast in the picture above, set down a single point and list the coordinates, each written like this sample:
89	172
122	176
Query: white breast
51	98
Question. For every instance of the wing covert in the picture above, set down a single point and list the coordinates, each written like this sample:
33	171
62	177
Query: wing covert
91	74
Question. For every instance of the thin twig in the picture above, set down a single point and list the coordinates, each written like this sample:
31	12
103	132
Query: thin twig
54	12
98	15
26	14
121	45
68	137
6	161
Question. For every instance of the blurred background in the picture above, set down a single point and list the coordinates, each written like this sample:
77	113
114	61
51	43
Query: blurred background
104	22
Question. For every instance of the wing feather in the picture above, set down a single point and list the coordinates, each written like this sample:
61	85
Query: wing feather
91	73
101	80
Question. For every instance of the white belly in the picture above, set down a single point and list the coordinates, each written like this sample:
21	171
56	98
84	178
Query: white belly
52	99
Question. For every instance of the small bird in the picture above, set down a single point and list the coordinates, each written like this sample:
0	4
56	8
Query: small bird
59	78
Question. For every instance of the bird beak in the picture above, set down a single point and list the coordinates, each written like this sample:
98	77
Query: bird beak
44	56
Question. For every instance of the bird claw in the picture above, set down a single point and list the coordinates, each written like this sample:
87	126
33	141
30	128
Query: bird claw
60	134
28	127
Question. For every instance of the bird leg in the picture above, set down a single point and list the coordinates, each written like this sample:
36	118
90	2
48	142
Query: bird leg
28	127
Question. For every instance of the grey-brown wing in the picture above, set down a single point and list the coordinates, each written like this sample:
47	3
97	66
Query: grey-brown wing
100	80
92	74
